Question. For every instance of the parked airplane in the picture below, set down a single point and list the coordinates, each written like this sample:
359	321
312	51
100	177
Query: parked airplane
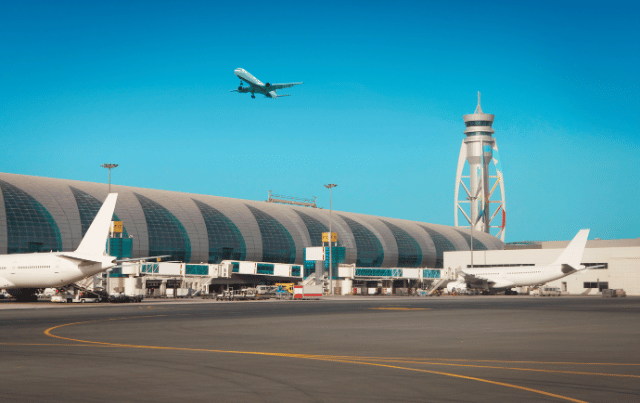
23	274
255	85
493	278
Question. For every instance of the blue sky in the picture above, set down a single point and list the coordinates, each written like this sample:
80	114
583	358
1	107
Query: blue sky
146	85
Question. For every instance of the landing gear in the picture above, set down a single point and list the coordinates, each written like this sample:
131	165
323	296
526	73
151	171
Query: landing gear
253	96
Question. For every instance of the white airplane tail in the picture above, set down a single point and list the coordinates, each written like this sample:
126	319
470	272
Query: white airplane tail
572	255
95	240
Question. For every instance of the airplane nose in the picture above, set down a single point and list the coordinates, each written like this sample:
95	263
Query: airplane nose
238	71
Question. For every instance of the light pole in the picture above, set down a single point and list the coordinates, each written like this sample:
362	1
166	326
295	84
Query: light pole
109	167
472	199
106	279
330	186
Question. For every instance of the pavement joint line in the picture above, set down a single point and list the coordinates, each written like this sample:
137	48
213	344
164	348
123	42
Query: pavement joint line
53	345
406	359
303	356
509	368
509	385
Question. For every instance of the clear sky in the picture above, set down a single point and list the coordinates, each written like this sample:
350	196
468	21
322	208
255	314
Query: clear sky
146	85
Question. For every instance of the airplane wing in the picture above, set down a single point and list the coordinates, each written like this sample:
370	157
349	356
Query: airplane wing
476	281
280	86
473	280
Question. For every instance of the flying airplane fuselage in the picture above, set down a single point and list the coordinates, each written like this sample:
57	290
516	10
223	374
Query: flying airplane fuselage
257	86
246	76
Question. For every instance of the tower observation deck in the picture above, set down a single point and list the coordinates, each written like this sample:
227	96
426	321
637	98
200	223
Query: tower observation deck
480	204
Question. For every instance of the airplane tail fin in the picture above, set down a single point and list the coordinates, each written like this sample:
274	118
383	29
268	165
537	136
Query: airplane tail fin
572	255
95	239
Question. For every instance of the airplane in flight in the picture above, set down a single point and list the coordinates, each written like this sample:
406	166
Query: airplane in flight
23	274
255	85
505	278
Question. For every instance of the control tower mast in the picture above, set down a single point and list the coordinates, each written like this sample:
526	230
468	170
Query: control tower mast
480	150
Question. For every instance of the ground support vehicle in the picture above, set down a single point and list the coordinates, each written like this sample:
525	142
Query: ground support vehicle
308	291
120	297
265	291
237	295
226	295
612	293
549	292
282	291
86	296
62	296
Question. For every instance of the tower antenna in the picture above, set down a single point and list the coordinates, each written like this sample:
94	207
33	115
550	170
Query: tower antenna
478	108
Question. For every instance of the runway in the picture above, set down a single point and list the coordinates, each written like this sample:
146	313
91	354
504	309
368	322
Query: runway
465	349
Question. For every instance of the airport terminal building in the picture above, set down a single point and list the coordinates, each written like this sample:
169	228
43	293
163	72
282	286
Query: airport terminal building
42	214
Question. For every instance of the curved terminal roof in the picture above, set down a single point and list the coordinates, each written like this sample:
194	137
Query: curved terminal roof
42	214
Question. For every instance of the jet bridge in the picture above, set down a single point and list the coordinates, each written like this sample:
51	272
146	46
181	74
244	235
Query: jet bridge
393	280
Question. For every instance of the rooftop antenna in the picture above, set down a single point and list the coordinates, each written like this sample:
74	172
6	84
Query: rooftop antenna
478	108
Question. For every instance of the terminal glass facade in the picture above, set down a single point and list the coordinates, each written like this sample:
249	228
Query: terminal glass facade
88	207
409	252
477	245
315	228
43	214
167	236
370	251
30	227
225	240
441	243
277	243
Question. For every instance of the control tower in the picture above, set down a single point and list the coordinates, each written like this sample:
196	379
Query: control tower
480	203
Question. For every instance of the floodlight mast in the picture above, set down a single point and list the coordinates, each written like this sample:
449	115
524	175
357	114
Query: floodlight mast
472	200
330	186
106	282
109	167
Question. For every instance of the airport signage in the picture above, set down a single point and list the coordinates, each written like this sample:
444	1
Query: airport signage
334	237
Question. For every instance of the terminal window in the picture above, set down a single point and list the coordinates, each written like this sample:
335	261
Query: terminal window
225	240
369	248
597	266
167	236
477	245
441	243
30	227
602	285
409	252
315	228
277	243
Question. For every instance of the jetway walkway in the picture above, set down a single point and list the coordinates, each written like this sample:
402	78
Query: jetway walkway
350	271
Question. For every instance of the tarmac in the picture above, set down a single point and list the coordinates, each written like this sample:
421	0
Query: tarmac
347	349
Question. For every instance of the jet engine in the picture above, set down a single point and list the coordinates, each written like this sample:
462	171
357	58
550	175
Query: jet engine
267	85
240	88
